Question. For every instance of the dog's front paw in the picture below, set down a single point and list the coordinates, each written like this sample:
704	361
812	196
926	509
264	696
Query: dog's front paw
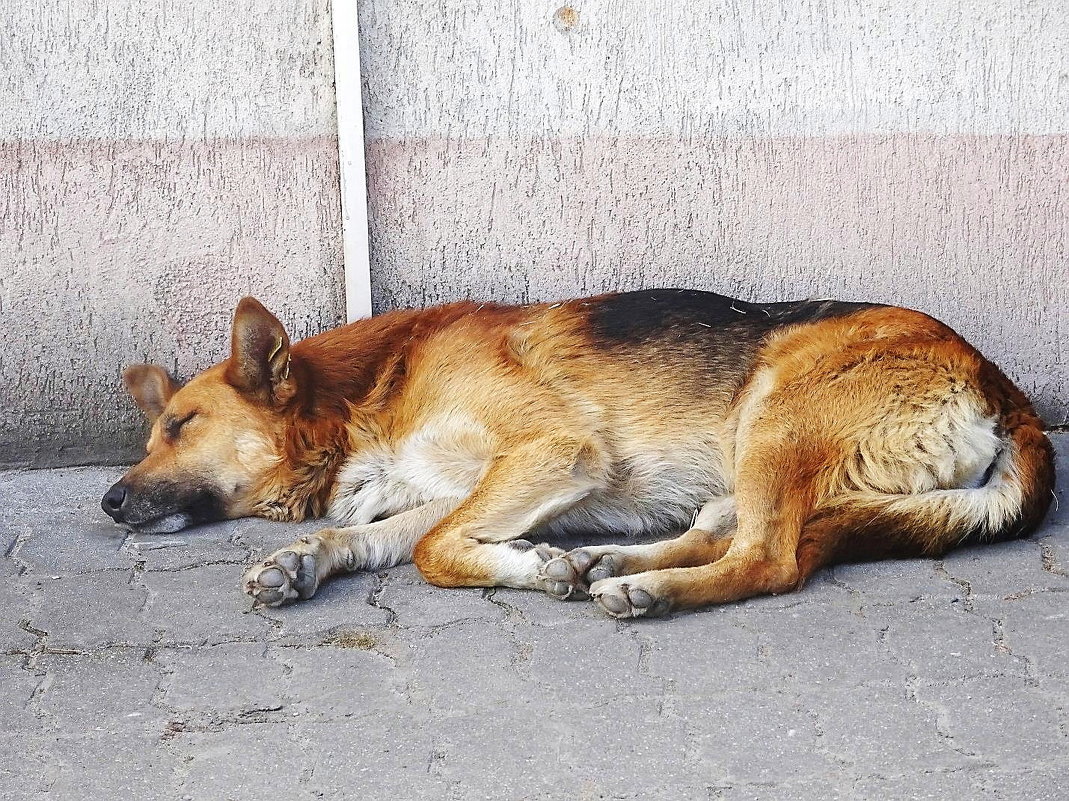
626	597
553	580
564	576
283	577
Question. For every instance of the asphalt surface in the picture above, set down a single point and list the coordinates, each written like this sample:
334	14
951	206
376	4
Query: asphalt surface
133	669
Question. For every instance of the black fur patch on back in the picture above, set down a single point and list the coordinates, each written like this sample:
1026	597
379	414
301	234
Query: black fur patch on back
675	315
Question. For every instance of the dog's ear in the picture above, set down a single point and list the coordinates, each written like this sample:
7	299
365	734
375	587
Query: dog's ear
151	388
259	353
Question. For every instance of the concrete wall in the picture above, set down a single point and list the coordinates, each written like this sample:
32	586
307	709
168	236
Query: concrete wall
157	161
161	159
913	153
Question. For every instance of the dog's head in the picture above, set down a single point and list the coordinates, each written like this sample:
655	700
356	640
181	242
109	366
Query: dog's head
215	441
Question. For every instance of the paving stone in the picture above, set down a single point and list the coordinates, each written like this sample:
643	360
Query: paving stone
710	651
976	716
633	748
468	667
921	787
753	736
342	680
264	537
938	640
475	756
203	604
221	680
73	545
896	734
897	580
823	644
27	768
826	789
343	602
391	756
1036	628
75	766
109	691
551	757
820	643
589	664
539	609
417	603
9	568
1036	783
11	532
73	491
243	761
85	611
1053	542
1004	569
70	533
191	548
20	684
20	604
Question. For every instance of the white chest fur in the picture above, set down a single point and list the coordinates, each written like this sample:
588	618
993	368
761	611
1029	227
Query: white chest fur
443	459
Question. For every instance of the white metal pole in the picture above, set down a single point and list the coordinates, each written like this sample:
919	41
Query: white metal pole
346	30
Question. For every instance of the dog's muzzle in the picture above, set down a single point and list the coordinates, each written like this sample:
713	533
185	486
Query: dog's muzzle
162	507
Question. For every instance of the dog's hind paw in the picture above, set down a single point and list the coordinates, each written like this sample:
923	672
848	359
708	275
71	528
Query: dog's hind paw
282	578
624	597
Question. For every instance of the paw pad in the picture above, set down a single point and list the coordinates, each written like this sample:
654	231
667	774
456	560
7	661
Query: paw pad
561	577
622	600
283	577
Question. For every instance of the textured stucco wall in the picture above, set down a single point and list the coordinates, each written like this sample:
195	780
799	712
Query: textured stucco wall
913	153
157	161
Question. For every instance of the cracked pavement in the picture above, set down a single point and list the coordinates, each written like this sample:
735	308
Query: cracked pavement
132	668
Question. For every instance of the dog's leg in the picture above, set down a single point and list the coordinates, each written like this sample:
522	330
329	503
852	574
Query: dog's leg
570	575
296	571
526	487
775	490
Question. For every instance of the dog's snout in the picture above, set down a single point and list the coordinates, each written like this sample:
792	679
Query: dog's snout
113	501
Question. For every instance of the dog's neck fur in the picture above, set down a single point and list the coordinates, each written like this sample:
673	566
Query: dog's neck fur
345	381
300	487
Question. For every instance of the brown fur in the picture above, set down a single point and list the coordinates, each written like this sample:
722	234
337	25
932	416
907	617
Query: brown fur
841	437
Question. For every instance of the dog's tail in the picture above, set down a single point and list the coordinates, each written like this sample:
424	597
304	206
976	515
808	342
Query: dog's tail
1010	503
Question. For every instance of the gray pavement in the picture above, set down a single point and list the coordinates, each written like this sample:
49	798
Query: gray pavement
132	669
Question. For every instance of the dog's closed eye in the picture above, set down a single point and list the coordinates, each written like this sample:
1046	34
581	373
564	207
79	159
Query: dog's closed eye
173	427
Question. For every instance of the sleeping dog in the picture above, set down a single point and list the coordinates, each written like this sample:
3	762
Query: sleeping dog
777	437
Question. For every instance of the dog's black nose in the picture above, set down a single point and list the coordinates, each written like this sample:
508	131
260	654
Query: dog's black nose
113	501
